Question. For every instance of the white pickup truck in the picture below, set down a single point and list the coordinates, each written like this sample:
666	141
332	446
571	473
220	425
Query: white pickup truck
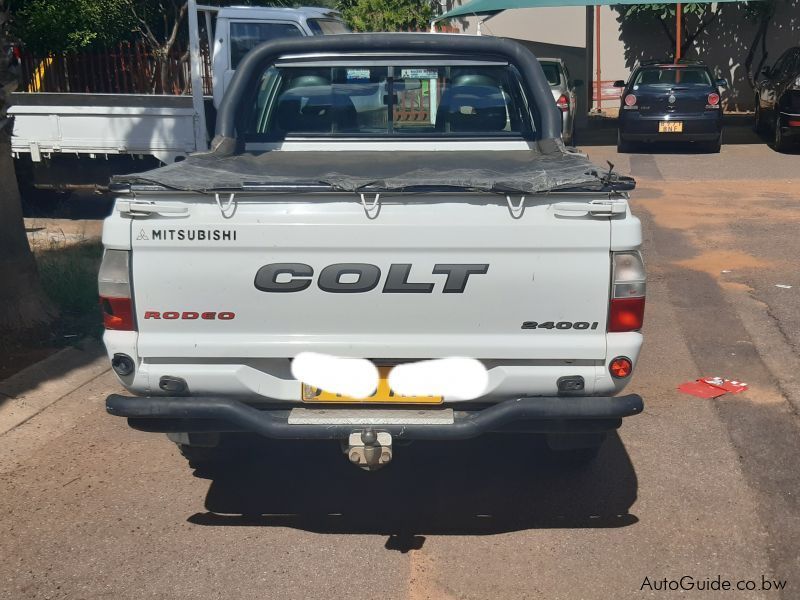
399	200
65	141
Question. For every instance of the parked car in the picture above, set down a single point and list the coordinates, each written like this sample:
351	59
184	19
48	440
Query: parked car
563	89
670	102
220	270
778	100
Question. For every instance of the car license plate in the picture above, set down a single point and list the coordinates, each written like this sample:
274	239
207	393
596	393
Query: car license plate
383	394
670	127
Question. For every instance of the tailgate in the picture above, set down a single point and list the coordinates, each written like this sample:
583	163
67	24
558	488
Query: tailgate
433	276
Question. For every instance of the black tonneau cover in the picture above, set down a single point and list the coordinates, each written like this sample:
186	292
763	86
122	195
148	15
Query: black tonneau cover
509	171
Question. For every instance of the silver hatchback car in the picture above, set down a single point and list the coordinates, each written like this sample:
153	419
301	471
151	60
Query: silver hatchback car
563	89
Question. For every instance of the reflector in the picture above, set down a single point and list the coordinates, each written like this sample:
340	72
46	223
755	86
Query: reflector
620	367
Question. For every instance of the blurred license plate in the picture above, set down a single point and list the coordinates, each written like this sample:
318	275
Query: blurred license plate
670	127
383	394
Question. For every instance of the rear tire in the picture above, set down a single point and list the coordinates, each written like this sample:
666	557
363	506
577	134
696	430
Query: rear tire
623	146
715	146
203	457
575	449
758	123
779	142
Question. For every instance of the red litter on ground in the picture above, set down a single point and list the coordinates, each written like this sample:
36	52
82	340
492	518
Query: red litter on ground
712	387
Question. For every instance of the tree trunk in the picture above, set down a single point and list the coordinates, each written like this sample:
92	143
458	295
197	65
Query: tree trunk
23	306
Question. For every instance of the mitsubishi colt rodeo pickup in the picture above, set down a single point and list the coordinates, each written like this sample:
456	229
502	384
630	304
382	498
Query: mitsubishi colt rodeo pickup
388	241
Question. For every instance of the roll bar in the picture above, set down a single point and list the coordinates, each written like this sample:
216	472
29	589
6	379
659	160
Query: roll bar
547	117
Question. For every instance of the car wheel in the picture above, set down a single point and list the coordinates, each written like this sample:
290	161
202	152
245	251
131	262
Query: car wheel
575	449
715	146
779	143
623	145
758	125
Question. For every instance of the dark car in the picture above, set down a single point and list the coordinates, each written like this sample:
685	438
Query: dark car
778	100
664	102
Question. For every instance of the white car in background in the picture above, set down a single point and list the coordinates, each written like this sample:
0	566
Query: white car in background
563	89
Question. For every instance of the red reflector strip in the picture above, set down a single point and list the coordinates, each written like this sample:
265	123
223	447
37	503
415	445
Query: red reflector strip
626	314
117	313
794	123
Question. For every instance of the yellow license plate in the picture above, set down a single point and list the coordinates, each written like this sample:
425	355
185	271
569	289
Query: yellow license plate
670	127
383	394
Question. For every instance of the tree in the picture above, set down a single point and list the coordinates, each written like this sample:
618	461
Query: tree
665	15
71	25
159	24
386	15
23	306
762	14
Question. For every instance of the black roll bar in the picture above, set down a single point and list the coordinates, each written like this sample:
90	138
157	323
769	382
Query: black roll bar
547	116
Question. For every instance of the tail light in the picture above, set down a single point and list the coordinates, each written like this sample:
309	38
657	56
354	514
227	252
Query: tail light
713	99
628	289
115	290
563	102
630	100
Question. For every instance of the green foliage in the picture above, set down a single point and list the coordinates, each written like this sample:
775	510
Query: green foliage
665	11
386	15
69	278
70	25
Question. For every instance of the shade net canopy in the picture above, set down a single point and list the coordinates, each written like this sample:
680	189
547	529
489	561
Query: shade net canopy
511	171
483	7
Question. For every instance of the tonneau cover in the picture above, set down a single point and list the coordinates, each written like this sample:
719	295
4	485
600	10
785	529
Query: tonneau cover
517	171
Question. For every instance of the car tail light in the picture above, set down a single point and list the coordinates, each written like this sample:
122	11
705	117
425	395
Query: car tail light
620	367
115	290
630	100
563	102
628	290
713	99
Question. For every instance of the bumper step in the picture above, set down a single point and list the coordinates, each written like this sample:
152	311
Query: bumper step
162	413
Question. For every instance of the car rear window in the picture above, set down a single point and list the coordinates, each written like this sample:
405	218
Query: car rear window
327	26
389	100
672	76
552	72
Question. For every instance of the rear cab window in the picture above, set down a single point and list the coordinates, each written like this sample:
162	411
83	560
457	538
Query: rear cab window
391	100
246	35
327	26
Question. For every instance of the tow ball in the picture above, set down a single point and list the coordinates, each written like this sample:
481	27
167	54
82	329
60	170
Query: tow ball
369	449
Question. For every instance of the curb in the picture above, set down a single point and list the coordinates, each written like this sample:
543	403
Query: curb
29	392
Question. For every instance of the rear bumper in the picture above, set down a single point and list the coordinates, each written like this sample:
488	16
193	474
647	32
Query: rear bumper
696	128
533	414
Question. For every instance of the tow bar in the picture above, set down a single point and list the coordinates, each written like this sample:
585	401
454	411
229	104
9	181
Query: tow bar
368	449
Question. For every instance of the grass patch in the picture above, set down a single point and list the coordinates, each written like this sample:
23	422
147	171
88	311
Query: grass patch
69	278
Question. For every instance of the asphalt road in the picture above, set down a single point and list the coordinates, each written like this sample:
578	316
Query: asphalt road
692	487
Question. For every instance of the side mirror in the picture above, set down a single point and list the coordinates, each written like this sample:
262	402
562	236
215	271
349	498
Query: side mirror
619	83
722	82
577	82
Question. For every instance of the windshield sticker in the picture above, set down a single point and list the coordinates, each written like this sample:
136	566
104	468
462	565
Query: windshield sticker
357	74
418	73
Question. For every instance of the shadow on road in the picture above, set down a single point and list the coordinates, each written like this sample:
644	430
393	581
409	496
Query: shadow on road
489	485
